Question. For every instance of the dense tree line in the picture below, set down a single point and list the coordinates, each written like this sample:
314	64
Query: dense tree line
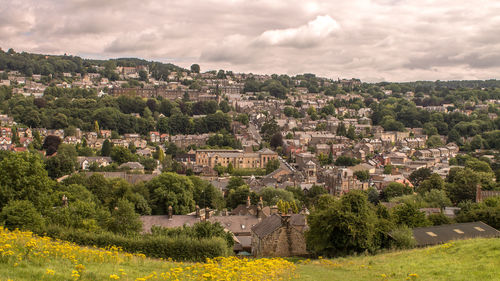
79	108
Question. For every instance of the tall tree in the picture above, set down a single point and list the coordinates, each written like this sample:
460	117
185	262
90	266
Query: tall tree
195	68
106	148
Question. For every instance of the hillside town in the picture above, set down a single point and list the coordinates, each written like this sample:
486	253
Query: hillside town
302	135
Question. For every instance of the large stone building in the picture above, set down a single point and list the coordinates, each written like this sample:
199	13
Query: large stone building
280	236
170	94
238	158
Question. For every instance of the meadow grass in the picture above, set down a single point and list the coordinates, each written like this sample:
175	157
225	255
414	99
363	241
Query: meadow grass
467	260
27	257
24	256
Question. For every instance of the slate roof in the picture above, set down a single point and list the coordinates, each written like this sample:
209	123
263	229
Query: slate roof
443	233
273	222
236	224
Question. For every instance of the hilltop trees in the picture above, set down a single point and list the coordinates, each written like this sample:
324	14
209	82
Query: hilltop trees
195	68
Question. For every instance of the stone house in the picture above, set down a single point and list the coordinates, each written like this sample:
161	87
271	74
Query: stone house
154	137
133	166
85	162
280	236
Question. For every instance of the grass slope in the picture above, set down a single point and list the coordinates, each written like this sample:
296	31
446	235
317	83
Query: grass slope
468	260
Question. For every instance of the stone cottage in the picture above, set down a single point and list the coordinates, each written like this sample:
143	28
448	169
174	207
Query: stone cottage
280	235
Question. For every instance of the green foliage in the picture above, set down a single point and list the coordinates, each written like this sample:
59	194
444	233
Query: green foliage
155	246
206	195
239	196
64	163
243	118
462	185
235	182
286	206
271	196
23	177
434	181
363	175
121	155
418	176
195	68
402	238
409	215
439	219
269	129
478	165
487	211
395	189
106	148
346	161
223	140
437	198
272	165
313	194
388	169
344	227
200	230
124	219
292	112
21	214
171	189
373	196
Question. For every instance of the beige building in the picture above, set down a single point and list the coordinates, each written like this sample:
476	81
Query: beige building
238	158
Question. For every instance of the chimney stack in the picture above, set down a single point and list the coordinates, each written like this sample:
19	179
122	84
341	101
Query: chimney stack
197	211
207	213
170	212
478	193
248	202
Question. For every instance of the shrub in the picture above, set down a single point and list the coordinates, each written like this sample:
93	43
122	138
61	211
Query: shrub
181	248
402	238
439	219
21	214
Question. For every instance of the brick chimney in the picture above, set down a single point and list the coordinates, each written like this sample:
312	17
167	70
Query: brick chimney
479	196
248	202
207	213
170	212
197	211
260	205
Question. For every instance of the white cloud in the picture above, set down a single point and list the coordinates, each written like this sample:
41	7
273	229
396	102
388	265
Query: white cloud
307	35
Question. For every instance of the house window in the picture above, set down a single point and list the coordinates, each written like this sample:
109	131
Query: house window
478	228
458	231
431	234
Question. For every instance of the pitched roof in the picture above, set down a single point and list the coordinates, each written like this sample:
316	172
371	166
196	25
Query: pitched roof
273	222
444	233
236	224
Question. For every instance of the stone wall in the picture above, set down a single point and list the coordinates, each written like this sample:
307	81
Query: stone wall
282	242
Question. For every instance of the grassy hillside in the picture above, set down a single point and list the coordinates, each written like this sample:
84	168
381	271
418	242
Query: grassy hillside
469	260
24	256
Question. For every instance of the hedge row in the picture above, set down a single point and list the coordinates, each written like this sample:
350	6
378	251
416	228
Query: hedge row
178	248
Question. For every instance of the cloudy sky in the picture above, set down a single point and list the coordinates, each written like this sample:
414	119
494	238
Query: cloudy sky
375	40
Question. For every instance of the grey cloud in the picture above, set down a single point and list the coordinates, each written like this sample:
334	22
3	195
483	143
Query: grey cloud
370	39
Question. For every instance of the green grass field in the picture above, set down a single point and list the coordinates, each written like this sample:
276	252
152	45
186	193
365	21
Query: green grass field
468	260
